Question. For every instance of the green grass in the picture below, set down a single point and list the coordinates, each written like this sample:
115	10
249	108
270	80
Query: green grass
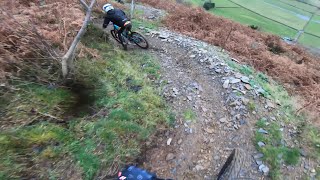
130	109
314	26
33	99
145	23
309	40
313	135
274	151
189	115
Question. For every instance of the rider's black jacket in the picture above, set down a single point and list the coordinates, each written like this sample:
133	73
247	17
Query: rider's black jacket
116	16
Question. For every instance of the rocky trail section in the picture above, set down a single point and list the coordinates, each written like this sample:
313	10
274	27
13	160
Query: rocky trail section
212	106
198	81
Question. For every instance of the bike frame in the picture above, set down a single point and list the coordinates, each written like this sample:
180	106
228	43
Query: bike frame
124	33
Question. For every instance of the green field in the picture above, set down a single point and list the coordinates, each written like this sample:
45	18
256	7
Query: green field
247	17
285	14
313	2
281	17
219	3
300	5
314	26
309	40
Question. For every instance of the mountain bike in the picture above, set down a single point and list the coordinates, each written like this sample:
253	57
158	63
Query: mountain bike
127	37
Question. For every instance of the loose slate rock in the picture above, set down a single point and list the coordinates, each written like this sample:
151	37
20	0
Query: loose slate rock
209	130
169	141
261	144
170	156
258	156
247	86
226	84
263	168
234	81
262	131
245	79
223	120
259	162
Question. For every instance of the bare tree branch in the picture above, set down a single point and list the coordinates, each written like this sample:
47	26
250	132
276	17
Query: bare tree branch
84	4
66	61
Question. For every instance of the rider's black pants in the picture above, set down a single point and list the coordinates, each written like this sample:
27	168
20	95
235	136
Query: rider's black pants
128	27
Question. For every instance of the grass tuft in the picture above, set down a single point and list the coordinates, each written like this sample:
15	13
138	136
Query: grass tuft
189	115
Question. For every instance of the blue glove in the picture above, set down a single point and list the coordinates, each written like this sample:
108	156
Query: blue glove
134	173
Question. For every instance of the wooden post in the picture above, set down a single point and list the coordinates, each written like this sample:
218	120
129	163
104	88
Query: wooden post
132	9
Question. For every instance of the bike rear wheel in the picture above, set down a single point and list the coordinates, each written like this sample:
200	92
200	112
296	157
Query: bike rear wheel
124	42
139	40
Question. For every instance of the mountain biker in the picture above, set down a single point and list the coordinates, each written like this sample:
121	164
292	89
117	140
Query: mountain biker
117	17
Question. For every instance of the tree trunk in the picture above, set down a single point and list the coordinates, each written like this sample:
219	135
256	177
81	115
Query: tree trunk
67	59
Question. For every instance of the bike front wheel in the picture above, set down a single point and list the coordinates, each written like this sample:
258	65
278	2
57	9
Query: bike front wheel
139	40
115	35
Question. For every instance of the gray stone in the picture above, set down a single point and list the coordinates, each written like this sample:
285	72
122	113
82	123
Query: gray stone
245	100
223	120
218	70
234	81
226	84
164	36
170	156
192	56
271	104
263	168
303	153
261	91
258	156
262	131
261	144
242	122
245	79
209	130
199	167
216	158
151	17
179	141
259	162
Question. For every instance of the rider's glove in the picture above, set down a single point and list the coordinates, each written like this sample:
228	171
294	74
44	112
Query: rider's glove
133	172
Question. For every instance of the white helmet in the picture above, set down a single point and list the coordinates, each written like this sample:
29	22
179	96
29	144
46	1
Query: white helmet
107	7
